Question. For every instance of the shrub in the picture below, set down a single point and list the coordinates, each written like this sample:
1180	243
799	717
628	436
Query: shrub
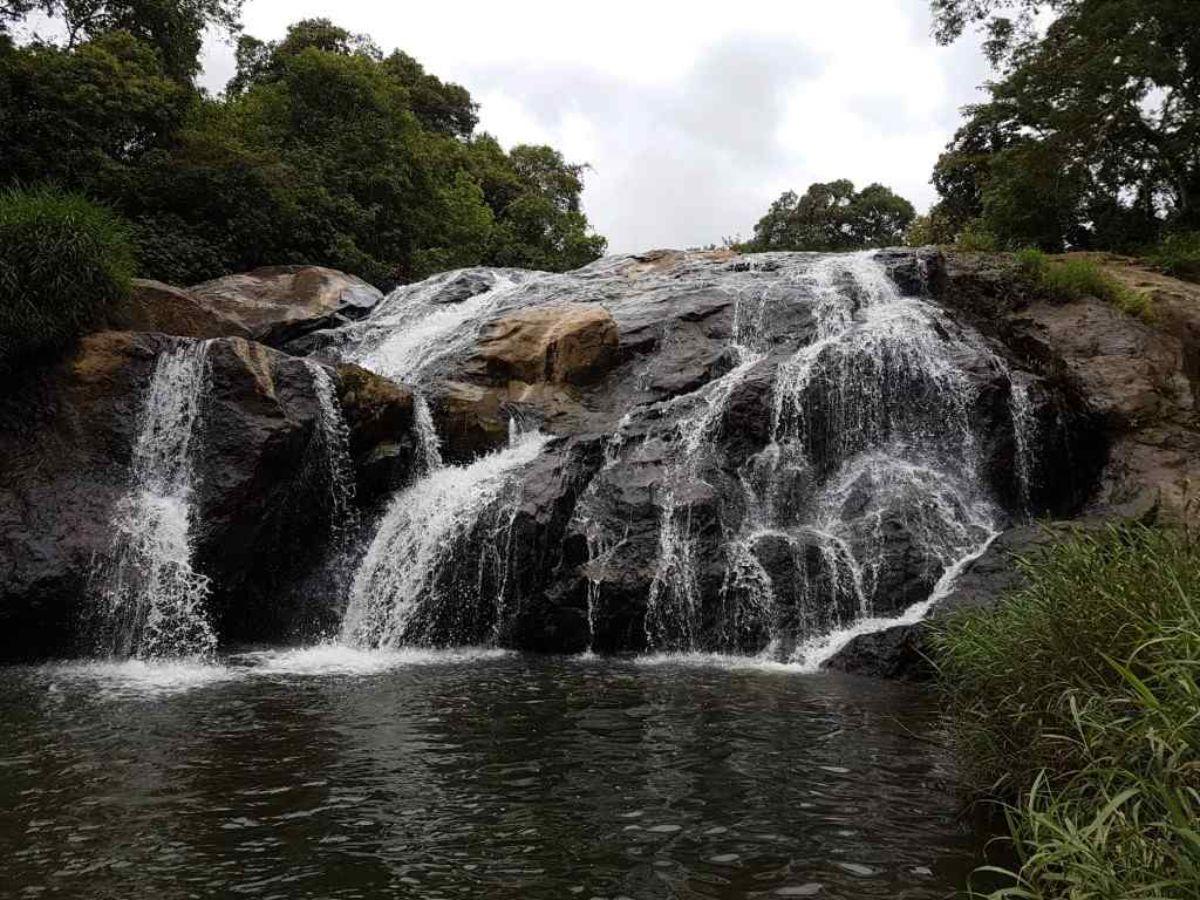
1074	277
64	261
1179	255
1077	701
975	238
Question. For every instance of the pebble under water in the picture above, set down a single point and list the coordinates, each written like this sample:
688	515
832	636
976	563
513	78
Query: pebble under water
331	772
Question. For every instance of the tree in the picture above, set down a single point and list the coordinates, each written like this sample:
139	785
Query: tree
1097	117
833	216
175	28
323	151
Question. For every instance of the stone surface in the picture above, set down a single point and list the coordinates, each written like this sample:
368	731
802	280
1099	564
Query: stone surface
568	343
379	414
154	306
277	304
66	436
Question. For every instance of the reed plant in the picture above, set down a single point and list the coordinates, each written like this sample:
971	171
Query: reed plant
64	263
1075	703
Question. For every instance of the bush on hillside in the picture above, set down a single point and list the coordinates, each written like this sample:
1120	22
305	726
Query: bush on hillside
1179	255
1077	700
64	262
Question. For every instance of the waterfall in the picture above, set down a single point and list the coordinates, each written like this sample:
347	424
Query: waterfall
861	500
415	325
423	578
333	455
429	448
152	602
872	453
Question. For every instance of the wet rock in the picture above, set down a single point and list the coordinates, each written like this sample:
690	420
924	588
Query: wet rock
261	509
277	304
471	420
903	651
383	446
569	343
899	653
154	306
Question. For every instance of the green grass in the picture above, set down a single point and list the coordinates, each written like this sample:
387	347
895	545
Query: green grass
1072	278
1076	702
64	261
1178	255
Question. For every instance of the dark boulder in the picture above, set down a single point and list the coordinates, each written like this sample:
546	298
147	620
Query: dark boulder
383	442
262	510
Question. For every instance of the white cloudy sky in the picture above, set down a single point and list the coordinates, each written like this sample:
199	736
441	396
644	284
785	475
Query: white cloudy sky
693	116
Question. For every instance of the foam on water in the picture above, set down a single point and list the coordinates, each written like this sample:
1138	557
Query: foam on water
133	678
340	659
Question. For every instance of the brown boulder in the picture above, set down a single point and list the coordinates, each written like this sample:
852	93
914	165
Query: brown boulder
157	307
275	304
568	343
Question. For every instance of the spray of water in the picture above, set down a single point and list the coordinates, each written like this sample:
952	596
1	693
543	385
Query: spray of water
151	600
414	574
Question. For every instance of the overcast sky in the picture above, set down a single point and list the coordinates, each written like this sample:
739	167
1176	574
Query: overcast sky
694	116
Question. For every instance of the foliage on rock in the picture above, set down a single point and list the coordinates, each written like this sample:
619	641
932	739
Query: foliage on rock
65	263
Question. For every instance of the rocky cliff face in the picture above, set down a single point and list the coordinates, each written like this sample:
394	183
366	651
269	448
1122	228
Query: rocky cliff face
261	510
740	453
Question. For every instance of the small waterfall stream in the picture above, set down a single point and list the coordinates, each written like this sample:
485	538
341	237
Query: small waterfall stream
332	448
428	566
152	601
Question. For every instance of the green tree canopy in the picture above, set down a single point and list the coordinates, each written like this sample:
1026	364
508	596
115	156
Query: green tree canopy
834	216
1091	136
323	150
173	28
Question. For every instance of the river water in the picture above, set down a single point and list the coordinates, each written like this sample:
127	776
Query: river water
330	772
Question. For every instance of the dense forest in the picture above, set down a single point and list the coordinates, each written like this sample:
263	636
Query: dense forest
323	149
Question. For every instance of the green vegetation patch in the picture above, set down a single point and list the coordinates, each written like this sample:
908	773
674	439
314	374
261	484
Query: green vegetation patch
1073	278
63	263
1076	701
1179	255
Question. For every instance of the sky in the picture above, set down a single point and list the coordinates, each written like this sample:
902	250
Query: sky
692	116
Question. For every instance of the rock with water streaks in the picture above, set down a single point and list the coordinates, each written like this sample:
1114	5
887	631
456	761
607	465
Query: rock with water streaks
261	504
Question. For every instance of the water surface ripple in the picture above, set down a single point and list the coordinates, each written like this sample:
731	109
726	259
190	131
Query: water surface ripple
471	774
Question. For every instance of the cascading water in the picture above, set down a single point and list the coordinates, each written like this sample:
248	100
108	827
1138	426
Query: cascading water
871	438
412	586
417	584
152	602
863	501
333	453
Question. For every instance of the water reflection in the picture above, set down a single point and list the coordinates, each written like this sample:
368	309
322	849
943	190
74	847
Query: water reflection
475	775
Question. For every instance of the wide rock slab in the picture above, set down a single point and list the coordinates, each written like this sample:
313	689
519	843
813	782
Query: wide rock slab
568	343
